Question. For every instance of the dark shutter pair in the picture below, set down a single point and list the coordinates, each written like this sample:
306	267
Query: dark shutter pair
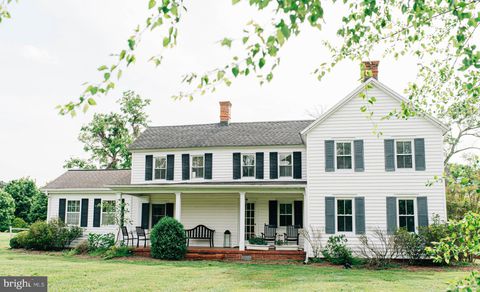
169	207
330	218
237	165
357	155
392	214
186	166
273	213
149	167
419	146
62	210
297	165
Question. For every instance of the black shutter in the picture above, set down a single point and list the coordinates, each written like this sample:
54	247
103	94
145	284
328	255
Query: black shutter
208	165
170	166
84	213
329	155
422	208
389	148
272	212
360	215
273	165
259	165
391	215
145	215
298	211
297	164
358	152
330	215
97	209
122	213
62	204
185	166
236	166
148	167
169	209
419	154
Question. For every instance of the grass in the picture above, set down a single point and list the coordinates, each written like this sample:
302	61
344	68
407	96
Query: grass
73	273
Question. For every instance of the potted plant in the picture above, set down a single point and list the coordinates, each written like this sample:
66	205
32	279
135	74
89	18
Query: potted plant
283	245
257	243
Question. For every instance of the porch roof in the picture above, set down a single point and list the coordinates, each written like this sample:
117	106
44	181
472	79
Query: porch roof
213	187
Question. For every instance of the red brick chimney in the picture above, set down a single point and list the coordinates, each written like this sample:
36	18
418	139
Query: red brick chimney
370	70
225	112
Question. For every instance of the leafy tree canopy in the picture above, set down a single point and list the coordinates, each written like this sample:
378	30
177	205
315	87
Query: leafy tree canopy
22	191
107	136
7	210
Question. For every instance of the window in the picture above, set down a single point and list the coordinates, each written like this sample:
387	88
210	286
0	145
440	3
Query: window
158	212
344	155
197	166
161	167
344	215
73	212
404	154
285	164
248	165
406	215
286	214
108	212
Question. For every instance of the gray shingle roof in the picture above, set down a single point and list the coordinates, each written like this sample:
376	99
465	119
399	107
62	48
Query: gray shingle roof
217	135
89	179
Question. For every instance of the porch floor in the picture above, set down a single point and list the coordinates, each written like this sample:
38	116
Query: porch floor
217	253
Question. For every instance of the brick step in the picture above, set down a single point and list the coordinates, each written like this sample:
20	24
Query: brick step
200	256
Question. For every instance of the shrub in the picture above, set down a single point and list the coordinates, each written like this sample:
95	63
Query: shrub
118	252
19	223
410	245
168	240
336	250
81	247
470	283
257	241
19	240
462	242
100	241
379	249
7	210
54	235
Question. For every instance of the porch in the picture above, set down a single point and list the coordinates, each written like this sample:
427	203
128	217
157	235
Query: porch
235	212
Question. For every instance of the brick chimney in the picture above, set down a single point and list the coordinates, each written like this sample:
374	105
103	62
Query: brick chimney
370	70
225	112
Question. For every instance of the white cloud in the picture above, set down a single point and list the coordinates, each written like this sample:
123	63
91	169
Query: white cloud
38	55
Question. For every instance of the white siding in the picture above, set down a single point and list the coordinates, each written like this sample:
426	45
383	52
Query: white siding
375	184
222	163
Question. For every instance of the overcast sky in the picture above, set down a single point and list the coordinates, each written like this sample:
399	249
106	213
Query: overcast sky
50	47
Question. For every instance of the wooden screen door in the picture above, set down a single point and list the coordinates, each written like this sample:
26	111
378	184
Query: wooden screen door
249	220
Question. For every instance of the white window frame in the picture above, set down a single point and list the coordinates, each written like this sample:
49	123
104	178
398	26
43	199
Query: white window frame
413	154
336	215
280	164
79	212
414	212
254	165
101	212
351	155
155	166
293	212
191	165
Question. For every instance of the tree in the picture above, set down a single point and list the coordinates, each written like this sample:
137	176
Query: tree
107	136
7	210
22	191
38	209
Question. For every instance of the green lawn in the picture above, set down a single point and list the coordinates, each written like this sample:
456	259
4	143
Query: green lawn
67	273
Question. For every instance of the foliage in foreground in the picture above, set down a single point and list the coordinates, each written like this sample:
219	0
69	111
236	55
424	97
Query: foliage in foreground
257	241
469	284
378	249
54	235
7	210
30	203
463	188
462	242
100	241
336	251
168	240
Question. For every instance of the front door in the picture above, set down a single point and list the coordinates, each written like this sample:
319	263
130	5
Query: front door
158	212
249	220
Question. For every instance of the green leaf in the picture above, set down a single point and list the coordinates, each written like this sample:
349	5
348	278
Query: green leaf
261	62
122	55
151	4
92	101
227	42
235	1
131	44
166	41
220	74
103	67
106	76
235	71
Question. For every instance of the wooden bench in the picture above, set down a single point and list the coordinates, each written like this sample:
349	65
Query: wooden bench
200	232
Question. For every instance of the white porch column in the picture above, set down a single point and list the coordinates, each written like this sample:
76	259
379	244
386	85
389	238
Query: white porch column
306	227
178	206
49	205
241	238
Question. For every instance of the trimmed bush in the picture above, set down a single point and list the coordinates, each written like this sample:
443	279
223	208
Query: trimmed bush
168	240
337	251
257	241
19	241
100	241
118	252
19	223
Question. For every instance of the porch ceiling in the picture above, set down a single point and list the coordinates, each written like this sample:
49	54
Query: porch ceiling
214	187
